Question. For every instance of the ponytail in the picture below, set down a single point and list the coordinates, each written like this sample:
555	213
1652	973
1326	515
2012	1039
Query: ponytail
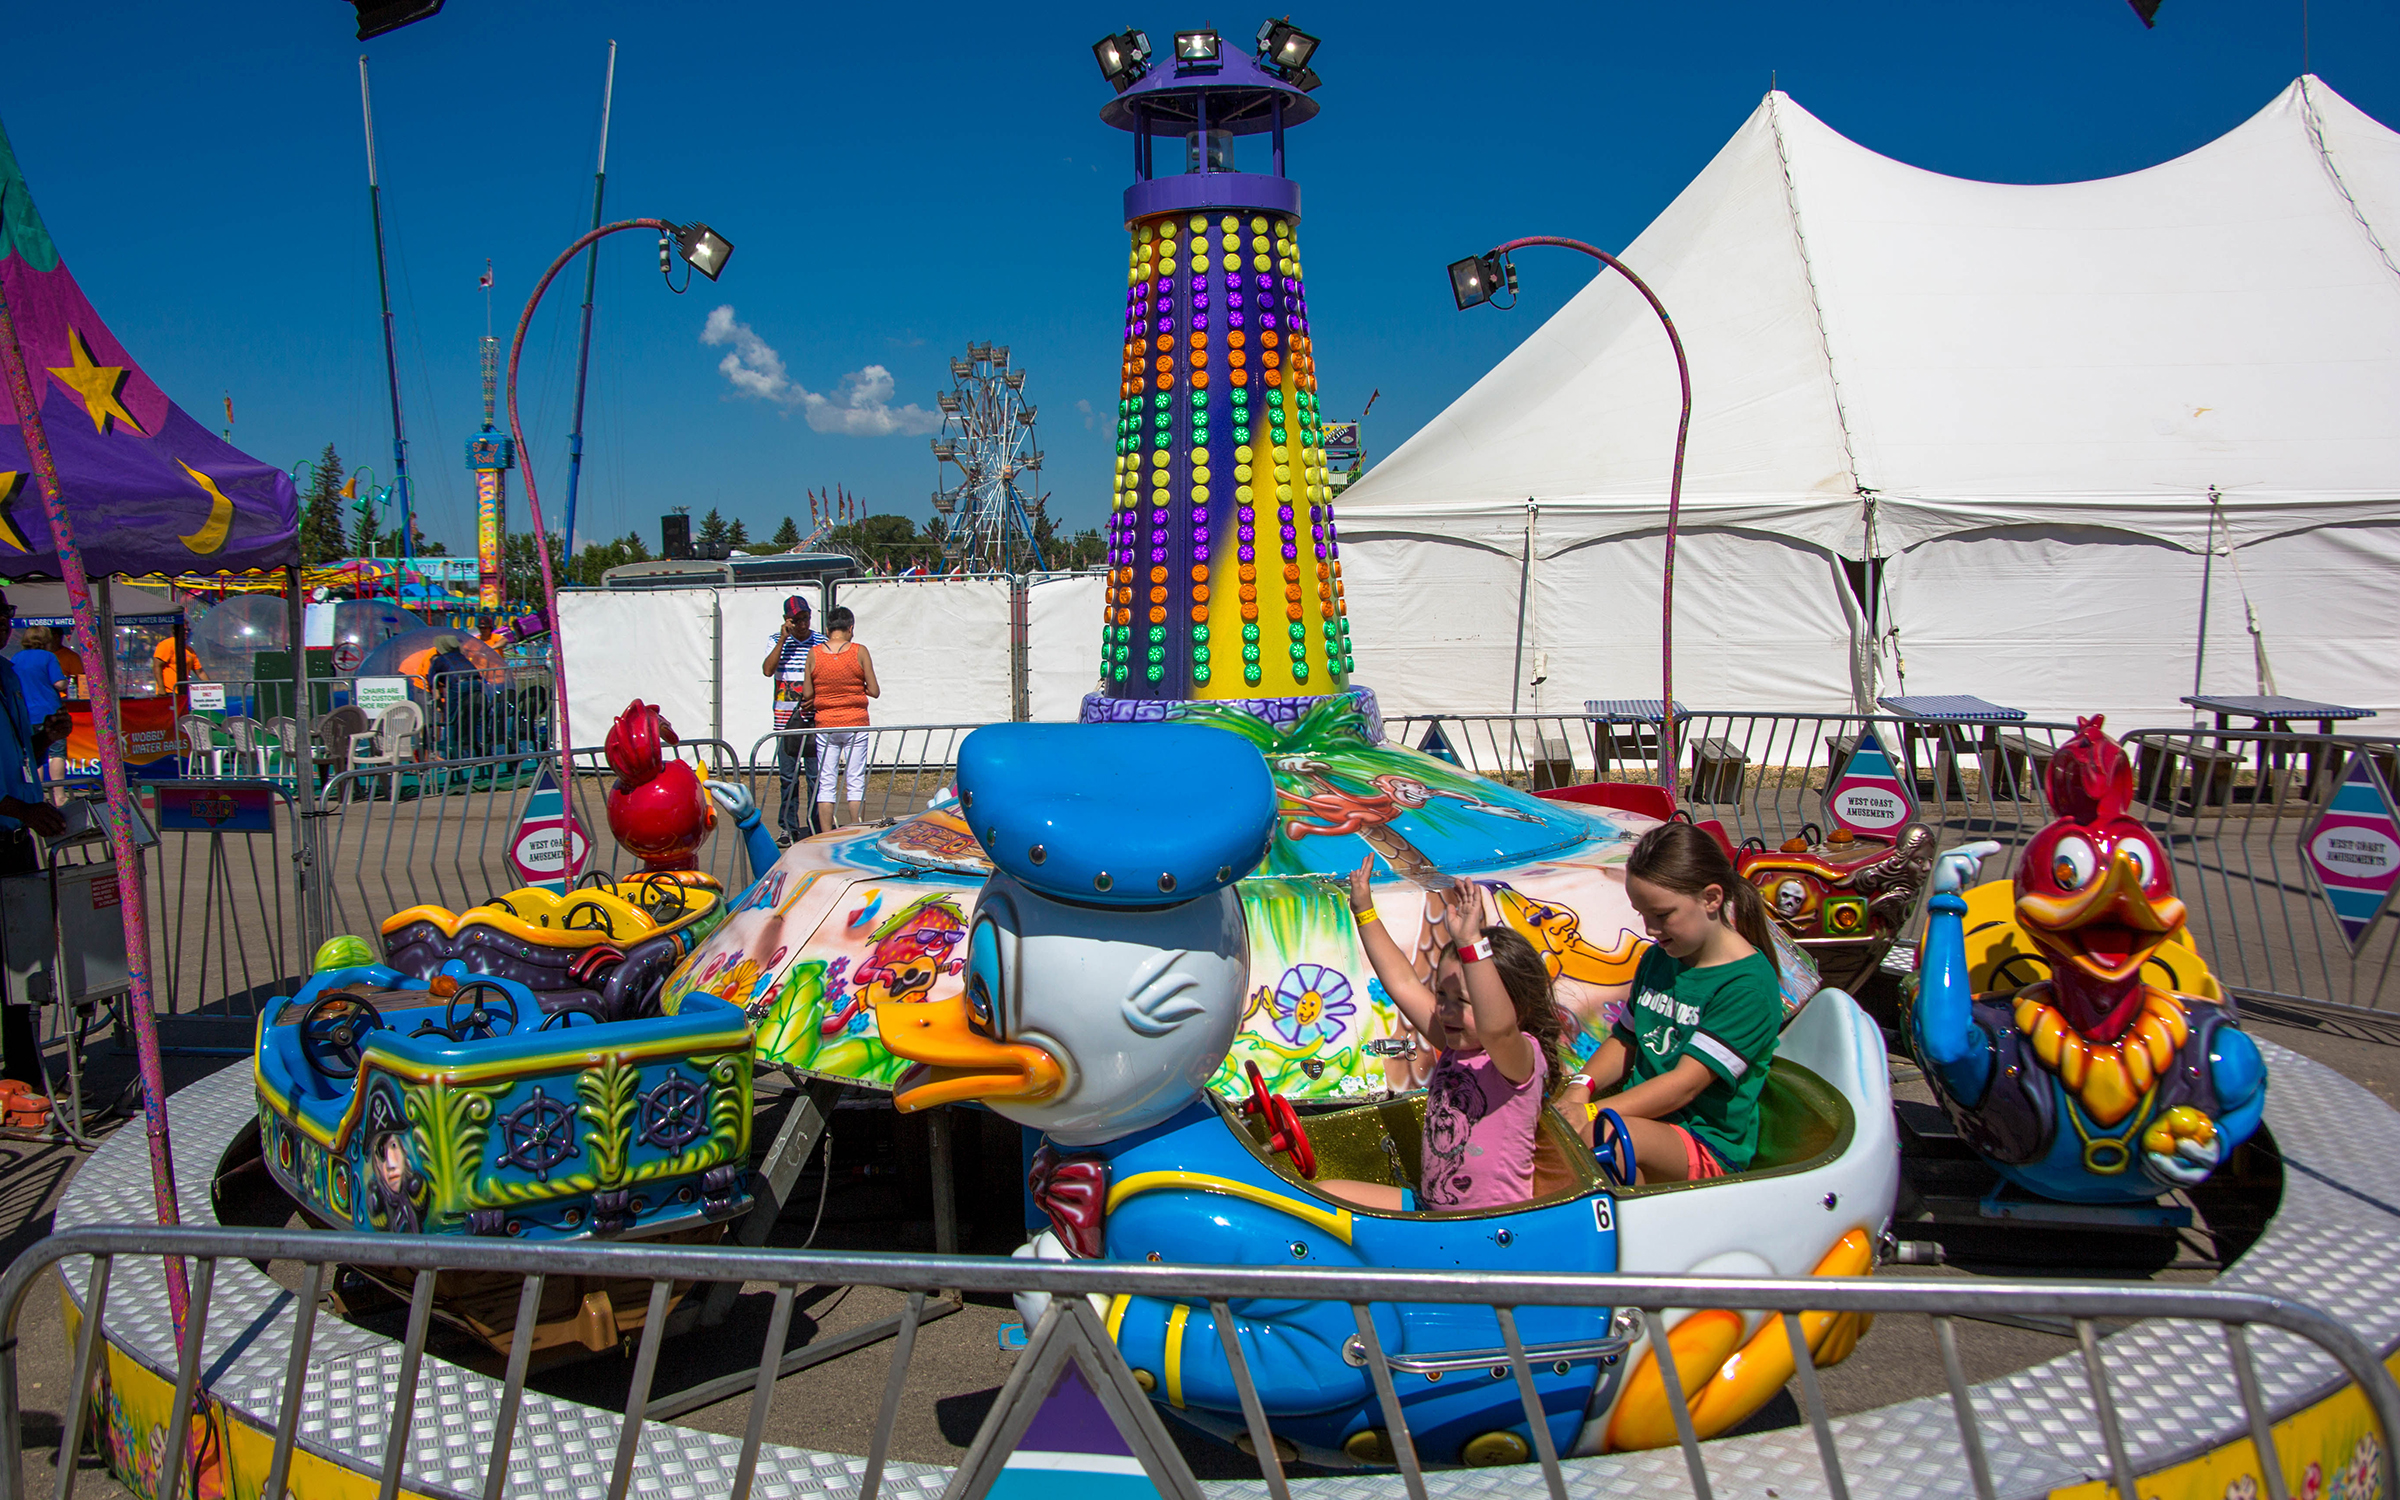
1685	860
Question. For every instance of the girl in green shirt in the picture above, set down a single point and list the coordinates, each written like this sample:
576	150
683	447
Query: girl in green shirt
1689	1057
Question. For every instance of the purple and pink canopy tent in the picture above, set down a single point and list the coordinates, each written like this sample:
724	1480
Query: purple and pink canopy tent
148	490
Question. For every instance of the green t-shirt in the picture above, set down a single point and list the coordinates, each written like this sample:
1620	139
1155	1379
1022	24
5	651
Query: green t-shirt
1728	1017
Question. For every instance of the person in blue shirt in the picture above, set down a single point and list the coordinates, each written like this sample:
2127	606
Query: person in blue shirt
25	740
795	754
39	673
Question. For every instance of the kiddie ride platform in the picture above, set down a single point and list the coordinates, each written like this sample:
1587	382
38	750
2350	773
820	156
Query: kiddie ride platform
2332	1243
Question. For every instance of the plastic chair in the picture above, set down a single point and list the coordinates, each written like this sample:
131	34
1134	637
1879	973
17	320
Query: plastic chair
334	732
202	756
282	747
251	746
391	742
1624	796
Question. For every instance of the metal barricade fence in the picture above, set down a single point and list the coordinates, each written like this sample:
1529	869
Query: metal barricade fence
908	765
1642	1303
1764	775
2234	810
227	891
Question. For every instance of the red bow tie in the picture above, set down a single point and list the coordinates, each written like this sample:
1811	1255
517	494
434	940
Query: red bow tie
1073	1192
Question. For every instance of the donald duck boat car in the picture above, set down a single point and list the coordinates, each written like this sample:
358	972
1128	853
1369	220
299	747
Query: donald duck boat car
1105	978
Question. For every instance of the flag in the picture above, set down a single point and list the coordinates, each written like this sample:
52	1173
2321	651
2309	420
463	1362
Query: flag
229	408
486	281
2146	9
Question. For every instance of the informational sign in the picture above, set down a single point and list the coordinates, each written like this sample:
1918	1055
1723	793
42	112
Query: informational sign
1870	795
547	840
375	694
145	725
1072	1424
207	697
231	809
2352	850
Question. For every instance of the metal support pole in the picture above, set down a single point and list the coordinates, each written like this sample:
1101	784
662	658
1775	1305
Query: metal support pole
98	652
591	279
391	348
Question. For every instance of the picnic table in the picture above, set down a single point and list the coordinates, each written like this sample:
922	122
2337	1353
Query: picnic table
1628	727
1943	718
2275	714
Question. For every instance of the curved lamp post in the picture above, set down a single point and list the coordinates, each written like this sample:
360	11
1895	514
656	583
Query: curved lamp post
1477	280
705	251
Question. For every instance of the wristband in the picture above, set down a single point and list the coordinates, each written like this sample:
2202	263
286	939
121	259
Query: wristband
1363	915
1583	1078
1475	952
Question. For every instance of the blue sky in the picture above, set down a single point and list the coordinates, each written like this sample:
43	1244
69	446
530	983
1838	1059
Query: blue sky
900	180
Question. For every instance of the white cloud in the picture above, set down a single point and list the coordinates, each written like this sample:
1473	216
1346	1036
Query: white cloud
860	407
1089	422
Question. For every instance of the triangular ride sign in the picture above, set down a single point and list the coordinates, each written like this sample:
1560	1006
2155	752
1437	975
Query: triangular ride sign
538	850
1870	795
1071	1424
2352	849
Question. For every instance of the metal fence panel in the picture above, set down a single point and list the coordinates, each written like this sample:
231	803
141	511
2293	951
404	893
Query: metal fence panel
2338	1355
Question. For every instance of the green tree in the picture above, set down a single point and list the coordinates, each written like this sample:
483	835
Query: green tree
1083	550
712	533
787	536
521	575
322	531
886	543
737	536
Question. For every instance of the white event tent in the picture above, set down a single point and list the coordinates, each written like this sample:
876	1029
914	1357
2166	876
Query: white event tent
2021	398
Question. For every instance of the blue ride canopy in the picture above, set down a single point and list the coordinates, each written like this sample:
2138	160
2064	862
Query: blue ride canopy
1118	814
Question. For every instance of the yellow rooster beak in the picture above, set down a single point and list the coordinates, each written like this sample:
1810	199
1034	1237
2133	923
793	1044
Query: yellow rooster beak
954	1061
2107	930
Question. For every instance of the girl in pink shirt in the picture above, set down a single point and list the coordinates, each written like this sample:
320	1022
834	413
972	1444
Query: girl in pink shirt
1491	1012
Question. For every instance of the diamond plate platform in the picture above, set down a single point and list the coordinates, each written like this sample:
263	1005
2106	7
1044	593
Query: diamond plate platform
2334	1243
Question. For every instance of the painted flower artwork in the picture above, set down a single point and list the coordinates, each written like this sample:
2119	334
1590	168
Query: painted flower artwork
1311	1004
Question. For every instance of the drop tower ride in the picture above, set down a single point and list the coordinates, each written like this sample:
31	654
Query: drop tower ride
1225	575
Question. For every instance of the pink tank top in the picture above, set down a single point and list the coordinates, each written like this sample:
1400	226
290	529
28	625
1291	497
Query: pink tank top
1479	1132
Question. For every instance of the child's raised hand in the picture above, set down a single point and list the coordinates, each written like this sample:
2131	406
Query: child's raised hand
1461	913
1362	889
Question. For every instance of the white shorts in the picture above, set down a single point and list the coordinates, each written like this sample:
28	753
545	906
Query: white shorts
842	753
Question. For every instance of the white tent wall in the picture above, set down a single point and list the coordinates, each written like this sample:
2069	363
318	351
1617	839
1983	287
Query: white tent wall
655	645
1760	622
2326	605
941	647
750	618
1433	620
1062	651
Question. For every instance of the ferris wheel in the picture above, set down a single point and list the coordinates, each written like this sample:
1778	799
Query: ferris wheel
990	504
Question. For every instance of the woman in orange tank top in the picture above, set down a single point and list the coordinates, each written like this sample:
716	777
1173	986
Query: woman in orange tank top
841	678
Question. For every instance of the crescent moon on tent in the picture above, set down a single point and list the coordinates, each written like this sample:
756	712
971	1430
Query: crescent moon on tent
211	534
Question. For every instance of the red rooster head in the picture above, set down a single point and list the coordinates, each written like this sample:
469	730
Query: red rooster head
2094	891
657	808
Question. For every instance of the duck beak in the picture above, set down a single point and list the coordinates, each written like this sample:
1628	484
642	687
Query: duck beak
954	1061
2108	930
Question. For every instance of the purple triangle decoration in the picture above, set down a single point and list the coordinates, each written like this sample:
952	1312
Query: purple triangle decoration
1071	1424
2352	849
1870	795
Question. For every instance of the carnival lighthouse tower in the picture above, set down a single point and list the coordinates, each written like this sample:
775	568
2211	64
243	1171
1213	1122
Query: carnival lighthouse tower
1225	575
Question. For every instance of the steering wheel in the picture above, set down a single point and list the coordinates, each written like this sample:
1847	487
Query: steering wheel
596	919
594	880
663	896
333	1030
1283	1123
564	1020
1614	1154
480	1023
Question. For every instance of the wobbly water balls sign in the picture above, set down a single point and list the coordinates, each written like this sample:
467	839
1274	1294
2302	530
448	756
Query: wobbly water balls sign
2352	850
547	839
1870	795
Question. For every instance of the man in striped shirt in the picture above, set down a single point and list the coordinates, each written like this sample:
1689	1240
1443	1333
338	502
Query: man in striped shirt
795	754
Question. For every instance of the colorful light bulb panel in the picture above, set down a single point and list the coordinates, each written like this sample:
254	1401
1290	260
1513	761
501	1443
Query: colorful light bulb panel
1225	572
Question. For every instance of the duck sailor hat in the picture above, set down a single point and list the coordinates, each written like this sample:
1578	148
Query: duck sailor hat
1118	814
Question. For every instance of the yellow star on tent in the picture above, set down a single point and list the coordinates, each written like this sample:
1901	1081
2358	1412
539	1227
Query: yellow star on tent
10	479
95	383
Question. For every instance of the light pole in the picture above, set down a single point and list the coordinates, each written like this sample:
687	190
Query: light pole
1477	280
705	251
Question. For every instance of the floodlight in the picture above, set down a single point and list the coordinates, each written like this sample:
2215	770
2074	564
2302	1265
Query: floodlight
375	17
1467	282
1197	46
1123	58
704	248
1285	47
1304	79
